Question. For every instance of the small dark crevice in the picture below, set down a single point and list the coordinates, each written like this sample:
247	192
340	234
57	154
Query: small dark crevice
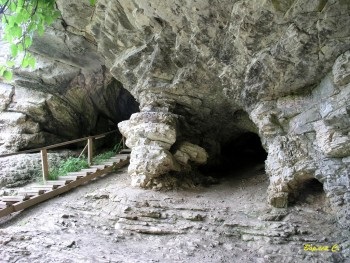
308	191
159	21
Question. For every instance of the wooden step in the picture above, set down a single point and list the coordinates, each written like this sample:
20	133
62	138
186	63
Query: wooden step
122	156
43	187
116	158
30	193
125	151
113	161
98	166
89	170
78	174
56	182
13	199
69	178
108	163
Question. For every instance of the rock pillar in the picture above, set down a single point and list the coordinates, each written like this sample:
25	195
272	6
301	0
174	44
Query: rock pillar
150	134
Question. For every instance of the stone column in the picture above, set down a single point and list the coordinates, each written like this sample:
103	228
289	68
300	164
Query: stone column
150	134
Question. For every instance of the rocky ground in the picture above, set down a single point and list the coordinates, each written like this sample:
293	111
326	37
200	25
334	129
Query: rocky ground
109	221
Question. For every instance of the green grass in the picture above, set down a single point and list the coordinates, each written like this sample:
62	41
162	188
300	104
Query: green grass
98	159
72	164
75	164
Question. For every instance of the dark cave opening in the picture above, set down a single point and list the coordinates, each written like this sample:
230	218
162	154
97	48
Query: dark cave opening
119	108
239	154
242	151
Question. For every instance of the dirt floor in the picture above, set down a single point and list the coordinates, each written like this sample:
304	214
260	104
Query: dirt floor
109	221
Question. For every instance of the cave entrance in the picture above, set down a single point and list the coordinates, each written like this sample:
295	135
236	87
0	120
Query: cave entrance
240	157
242	152
239	172
118	105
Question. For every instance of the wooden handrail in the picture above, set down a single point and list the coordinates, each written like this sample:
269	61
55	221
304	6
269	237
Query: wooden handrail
99	136
43	151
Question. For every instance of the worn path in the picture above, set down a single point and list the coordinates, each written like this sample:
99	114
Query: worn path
108	221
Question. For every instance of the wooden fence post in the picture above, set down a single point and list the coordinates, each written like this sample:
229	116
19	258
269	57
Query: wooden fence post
90	150
44	164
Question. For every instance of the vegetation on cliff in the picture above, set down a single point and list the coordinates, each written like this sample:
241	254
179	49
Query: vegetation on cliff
21	20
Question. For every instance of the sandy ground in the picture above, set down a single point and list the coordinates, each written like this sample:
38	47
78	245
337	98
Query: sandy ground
109	221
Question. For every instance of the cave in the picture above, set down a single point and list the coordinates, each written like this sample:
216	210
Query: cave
238	155
242	152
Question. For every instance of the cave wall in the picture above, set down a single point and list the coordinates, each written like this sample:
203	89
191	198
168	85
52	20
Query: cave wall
208	71
69	94
204	73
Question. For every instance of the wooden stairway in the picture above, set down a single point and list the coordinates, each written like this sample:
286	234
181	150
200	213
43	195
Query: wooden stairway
39	193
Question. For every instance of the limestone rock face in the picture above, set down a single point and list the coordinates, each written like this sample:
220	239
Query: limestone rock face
156	128
224	68
204	73
69	94
150	135
190	152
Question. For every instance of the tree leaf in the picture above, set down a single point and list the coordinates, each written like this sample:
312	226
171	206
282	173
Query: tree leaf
21	19
14	50
10	63
31	62
40	30
12	6
25	62
16	31
2	70
27	42
7	75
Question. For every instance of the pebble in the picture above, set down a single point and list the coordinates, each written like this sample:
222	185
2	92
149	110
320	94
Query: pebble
66	216
70	244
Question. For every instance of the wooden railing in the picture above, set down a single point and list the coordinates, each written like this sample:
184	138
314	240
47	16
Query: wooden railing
43	150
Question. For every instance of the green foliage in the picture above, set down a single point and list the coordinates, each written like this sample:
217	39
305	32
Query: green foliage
75	164
116	149
20	20
72	164
98	159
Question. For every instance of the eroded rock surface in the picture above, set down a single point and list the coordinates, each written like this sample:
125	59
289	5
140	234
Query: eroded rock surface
277	68
69	94
207	72
150	135
23	169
